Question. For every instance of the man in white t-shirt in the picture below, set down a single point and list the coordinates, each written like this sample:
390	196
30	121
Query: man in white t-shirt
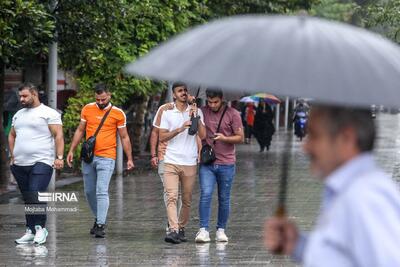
180	160
36	132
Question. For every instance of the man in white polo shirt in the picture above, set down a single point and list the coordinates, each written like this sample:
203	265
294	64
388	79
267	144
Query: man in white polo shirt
180	161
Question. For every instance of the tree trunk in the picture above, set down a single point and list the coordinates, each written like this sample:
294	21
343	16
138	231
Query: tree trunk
4	175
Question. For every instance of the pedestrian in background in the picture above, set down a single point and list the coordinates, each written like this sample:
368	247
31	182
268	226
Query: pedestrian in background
249	115
221	172
35	138
264	128
97	174
359	220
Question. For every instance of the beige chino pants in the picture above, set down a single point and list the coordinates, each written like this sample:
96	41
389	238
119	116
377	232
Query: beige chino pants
186	176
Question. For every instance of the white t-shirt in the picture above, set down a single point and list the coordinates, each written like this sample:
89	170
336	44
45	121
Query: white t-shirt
182	149
34	141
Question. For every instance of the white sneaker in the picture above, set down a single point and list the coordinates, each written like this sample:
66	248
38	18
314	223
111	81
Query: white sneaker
202	236
41	235
27	238
221	236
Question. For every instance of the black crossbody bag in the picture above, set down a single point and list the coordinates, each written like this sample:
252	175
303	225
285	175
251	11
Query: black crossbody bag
207	154
87	150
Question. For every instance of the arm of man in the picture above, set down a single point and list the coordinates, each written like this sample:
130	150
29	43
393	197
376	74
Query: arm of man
201	130
11	143
80	131
155	132
238	134
153	146
236	138
199	146
126	145
166	135
57	131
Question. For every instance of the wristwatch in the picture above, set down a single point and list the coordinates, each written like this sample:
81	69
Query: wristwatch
60	157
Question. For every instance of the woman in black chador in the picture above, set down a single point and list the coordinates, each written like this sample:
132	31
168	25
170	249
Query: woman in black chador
263	125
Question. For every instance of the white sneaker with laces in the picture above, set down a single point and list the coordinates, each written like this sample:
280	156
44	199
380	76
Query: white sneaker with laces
202	236
221	236
41	235
27	238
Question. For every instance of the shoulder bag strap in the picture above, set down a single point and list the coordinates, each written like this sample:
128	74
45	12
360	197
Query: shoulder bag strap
220	120
102	121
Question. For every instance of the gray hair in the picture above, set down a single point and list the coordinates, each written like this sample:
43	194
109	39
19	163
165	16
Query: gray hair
360	119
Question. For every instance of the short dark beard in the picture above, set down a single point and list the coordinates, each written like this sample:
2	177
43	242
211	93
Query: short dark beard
103	106
27	105
216	111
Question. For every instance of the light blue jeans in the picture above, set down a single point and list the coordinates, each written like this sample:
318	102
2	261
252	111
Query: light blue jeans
222	175
96	179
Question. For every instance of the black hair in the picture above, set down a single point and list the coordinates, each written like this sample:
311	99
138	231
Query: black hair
338	118
30	86
101	88
214	92
178	84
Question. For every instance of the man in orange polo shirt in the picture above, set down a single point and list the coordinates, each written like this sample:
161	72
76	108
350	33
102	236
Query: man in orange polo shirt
97	174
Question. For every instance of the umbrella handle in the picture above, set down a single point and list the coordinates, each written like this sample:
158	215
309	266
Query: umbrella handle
280	212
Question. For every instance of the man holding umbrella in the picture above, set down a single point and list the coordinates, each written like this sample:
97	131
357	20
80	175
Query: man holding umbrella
359	219
180	159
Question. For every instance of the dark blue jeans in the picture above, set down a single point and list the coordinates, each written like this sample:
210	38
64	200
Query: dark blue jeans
212	174
33	179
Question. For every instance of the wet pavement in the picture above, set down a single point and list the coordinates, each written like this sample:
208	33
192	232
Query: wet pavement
136	219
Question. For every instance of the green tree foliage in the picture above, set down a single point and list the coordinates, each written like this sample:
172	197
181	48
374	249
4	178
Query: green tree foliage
336	10
220	8
25	31
384	17
98	38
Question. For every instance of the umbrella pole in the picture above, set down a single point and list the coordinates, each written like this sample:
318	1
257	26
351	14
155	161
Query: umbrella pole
281	208
283	184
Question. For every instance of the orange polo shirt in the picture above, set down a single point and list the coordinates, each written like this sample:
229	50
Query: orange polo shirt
106	139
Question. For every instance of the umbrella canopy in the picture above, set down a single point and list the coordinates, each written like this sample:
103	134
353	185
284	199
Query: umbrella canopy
247	99
270	99
295	56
